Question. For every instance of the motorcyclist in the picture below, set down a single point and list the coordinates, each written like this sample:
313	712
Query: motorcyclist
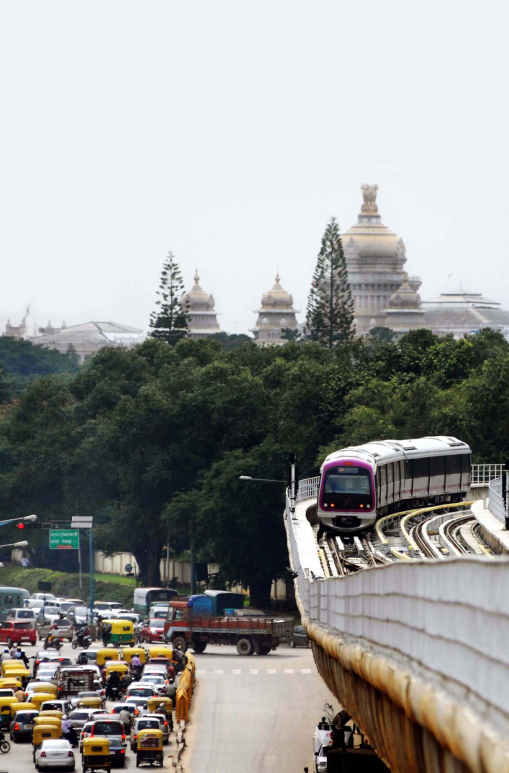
51	640
126	719
81	631
68	732
136	666
112	683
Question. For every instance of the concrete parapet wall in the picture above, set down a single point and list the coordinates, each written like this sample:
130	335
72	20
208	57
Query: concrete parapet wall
416	652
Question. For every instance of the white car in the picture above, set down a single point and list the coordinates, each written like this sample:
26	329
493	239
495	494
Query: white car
321	760
55	753
158	682
43	596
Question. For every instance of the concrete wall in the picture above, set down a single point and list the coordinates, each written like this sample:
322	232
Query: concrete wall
180	569
416	652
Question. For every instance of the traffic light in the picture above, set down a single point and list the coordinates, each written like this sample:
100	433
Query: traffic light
24	525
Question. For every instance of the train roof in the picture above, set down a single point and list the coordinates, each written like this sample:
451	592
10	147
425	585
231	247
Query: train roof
393	450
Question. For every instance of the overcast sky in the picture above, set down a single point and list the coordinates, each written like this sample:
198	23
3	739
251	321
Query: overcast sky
229	132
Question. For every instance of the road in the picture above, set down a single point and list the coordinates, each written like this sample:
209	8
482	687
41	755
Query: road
254	713
248	714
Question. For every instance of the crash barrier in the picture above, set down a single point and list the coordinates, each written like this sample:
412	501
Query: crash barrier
185	690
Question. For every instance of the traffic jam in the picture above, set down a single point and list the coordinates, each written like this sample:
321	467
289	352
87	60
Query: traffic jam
75	699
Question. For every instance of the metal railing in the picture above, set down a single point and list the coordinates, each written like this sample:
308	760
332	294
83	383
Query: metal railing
496	502
308	489
482	474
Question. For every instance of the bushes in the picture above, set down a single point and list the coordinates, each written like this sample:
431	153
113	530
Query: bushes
66	585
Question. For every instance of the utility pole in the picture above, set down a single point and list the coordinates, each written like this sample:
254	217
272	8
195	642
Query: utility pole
86	522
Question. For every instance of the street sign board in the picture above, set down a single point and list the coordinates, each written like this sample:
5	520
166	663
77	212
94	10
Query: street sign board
82	523
64	539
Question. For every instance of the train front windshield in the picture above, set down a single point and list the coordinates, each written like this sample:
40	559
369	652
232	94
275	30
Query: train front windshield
347	488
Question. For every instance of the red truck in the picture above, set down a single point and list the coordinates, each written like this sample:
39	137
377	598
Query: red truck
186	626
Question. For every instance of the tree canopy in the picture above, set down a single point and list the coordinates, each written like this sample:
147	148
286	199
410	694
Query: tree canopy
152	440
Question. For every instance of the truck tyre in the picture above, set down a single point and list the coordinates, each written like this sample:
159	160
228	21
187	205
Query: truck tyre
264	649
199	647
245	646
179	643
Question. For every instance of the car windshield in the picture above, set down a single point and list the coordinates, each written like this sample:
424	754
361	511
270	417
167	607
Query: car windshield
107	728
78	715
115	743
25	716
51	610
143	723
26	614
155	623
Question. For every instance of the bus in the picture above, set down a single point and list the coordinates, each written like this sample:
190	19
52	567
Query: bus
11	598
144	598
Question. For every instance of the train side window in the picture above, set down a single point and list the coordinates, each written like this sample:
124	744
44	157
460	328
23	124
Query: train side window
437	465
454	464
421	469
383	476
402	469
409	469
389	474
465	462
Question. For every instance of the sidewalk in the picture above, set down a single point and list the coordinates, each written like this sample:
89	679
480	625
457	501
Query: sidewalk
492	530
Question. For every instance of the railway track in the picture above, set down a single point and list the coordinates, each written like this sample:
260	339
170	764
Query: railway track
406	538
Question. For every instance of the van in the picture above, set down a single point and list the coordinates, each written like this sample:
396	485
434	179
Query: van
24	615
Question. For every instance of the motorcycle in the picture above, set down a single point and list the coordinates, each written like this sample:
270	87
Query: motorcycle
4	745
81	641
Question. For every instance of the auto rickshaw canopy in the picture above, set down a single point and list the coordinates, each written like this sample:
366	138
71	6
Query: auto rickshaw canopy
120	666
43	732
11	682
96	746
149	739
160	651
47	687
22	706
53	721
154	703
128	654
90	703
106	654
38	698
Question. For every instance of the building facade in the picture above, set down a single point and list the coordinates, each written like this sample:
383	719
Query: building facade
87	339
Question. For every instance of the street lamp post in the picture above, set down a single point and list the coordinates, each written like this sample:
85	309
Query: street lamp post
28	518
293	480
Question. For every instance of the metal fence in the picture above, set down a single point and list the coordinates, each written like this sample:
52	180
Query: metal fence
308	489
482	474
496	503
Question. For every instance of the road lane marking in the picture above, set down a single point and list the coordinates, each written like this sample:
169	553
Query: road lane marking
305	670
271	671
289	671
201	670
236	670
218	671
253	670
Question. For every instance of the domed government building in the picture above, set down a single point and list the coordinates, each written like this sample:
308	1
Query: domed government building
386	296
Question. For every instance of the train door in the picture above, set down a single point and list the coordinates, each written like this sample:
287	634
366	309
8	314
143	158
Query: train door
437	474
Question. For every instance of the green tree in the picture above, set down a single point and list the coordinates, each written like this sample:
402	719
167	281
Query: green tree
290	334
330	310
169	321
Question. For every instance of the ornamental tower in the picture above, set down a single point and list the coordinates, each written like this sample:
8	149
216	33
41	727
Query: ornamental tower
200	310
275	314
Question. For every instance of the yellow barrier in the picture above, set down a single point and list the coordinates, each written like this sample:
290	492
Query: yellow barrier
185	689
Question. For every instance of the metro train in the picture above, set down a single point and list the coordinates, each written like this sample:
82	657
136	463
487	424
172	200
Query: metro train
360	484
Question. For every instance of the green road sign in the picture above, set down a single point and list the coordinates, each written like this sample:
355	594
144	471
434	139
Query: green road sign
64	539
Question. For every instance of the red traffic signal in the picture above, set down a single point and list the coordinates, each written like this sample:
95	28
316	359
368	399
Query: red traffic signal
20	526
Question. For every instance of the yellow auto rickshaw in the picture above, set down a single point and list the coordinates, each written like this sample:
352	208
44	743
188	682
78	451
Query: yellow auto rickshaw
90	702
22	706
53	721
106	654
154	703
160	651
149	747
11	683
52	713
128	654
47	687
5	710
122	632
42	733
120	666
96	754
20	673
38	698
